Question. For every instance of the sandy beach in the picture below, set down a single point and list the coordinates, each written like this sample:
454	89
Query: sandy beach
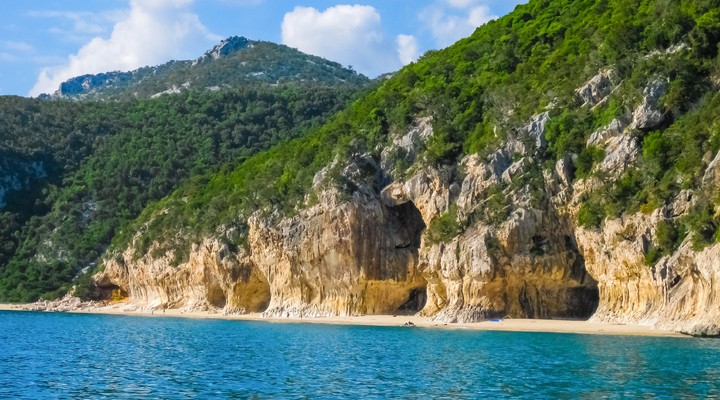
514	325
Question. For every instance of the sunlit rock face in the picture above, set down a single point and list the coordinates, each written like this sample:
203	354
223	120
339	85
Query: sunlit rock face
515	248
367	254
213	278
678	292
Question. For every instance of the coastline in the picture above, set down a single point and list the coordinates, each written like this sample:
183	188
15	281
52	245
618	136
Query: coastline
507	325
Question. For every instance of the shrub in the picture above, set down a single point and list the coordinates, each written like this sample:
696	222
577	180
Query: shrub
443	228
587	159
591	214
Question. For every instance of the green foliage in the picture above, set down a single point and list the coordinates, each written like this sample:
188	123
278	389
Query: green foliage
702	222
586	160
705	35
668	237
482	137
568	132
443	228
591	214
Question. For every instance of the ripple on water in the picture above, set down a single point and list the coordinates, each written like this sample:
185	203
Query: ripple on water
94	356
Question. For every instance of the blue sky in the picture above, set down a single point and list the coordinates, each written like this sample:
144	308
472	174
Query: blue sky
45	42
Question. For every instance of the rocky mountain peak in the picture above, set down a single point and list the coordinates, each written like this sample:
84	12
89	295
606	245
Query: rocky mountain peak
225	48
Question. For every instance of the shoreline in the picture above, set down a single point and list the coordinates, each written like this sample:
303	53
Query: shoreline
505	325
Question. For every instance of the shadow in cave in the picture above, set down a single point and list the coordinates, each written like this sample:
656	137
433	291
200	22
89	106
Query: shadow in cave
408	225
416	302
575	297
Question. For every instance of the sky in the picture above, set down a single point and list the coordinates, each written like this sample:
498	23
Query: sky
45	42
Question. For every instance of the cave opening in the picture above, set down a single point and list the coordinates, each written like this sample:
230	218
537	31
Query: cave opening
409	225
216	296
106	292
251	292
586	294
415	303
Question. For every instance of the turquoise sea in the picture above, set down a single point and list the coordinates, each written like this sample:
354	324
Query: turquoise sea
68	356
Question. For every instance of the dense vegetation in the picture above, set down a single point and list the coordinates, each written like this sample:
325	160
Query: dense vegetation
106	161
478	91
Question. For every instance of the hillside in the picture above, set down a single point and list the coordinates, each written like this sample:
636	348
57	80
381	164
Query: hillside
560	162
234	62
73	172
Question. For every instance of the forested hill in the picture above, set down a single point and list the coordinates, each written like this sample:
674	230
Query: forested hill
563	153
73	172
235	61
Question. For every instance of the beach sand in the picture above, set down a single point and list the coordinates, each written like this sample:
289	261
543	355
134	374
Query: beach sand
514	325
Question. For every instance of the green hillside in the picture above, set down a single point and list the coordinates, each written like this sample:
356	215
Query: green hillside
477	92
106	161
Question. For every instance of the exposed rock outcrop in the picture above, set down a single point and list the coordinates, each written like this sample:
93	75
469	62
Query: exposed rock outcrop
367	255
678	293
355	258
597	89
214	277
649	115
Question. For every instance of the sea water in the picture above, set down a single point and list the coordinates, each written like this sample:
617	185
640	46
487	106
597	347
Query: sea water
58	356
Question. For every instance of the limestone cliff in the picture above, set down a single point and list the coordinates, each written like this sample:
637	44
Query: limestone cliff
367	254
678	292
546	211
214	277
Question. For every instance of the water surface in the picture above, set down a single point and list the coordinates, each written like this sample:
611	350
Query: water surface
47	356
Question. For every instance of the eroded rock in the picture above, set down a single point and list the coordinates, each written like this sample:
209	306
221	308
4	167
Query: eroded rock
598	88
649	115
677	293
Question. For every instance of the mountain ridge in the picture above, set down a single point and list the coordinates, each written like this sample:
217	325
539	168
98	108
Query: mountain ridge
232	62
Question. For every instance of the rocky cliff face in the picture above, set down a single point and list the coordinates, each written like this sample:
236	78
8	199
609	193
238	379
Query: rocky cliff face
493	236
367	254
214	278
678	292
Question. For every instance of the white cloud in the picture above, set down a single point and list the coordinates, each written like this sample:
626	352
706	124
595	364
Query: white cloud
407	48
348	34
152	32
452	20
